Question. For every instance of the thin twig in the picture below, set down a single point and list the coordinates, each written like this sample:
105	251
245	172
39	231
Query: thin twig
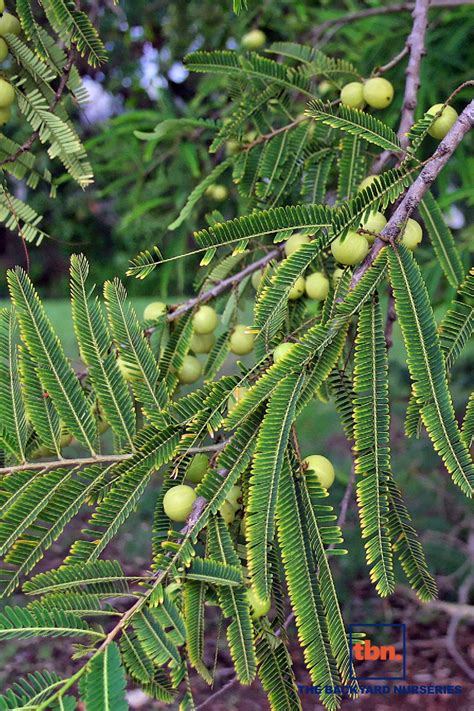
393	62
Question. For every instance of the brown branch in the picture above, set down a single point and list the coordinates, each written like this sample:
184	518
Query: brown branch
391	318
418	188
393	62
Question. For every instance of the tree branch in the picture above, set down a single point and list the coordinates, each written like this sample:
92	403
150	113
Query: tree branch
418	188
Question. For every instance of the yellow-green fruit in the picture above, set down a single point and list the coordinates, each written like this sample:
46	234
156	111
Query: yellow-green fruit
412	234
325	87
127	371
234	497
378	92
238	394
41	452
197	468
5	116
231	148
322	467
190	371
375	222
352	250
178	502
9	24
255	39
281	351
259	607
295	242
202	343
297	290
241	341
205	320
2	5
440	127
336	275
3	49
352	95
217	192
7	94
102	425
227	512
317	286
65	440
154	310
367	181
256	279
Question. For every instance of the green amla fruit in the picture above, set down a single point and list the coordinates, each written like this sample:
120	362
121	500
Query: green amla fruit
127	371
295	242
259	607
197	468
350	251
9	24
178	502
282	350
378	92
5	116
7	94
202	343
242	340
445	121
317	286
322	467
237	395
367	181
234	497
154	310
253	40
205	320
297	290
352	95
412	234
219	193
227	512
375	222
190	371
3	49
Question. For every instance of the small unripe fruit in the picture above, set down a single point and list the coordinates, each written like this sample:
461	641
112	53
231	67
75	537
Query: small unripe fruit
178	502
234	497
3	49
205	320
102	425
241	341
190	371
281	351
297	290
375	222
9	24
317	286
5	116
2	5
197	468
202	343
295	242
259	607
231	148
7	94
256	279
352	250
219	193
412	234
154	310
238	394
322	467
65	440
127	371
352	95
227	513
255	39
440	127
378	92
367	181
336	275
325	87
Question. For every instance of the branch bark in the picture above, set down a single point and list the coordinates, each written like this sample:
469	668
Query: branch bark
418	188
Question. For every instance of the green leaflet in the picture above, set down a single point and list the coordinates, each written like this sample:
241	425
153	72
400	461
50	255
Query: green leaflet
372	444
426	366
104	684
13	424
442	240
30	690
351	167
276	674
467	431
266	468
23	623
194	595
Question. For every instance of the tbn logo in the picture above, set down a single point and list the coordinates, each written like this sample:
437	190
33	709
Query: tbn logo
389	655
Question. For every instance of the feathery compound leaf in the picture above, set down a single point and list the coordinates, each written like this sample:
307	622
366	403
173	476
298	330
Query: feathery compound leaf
135	351
316	175
268	460
74	26
234	604
105	682
351	167
23	623
194	597
467	431
30	691
100	577
426	366
338	71
95	348
442	240
214	572
276	674
54	371
13	424
372	444
144	263
156	643
355	122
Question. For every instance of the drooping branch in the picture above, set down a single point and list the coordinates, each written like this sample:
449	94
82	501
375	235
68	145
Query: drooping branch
418	188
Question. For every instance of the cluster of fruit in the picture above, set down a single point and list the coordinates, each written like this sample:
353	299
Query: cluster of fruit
9	25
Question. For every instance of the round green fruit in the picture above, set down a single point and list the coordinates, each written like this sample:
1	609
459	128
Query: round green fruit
154	310
322	467
336	275
378	92
2	5
197	468
3	49
375	222
231	149
350	251
202	343
412	234
9	24
295	242
5	116
7	94
219	193
241	341
234	497
367	181
65	440
256	279
190	371
297	290
227	513
238	394
255	39
259	607
317	286
325	87
445	121
205	320
127	371
178	502
282	350
352	95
